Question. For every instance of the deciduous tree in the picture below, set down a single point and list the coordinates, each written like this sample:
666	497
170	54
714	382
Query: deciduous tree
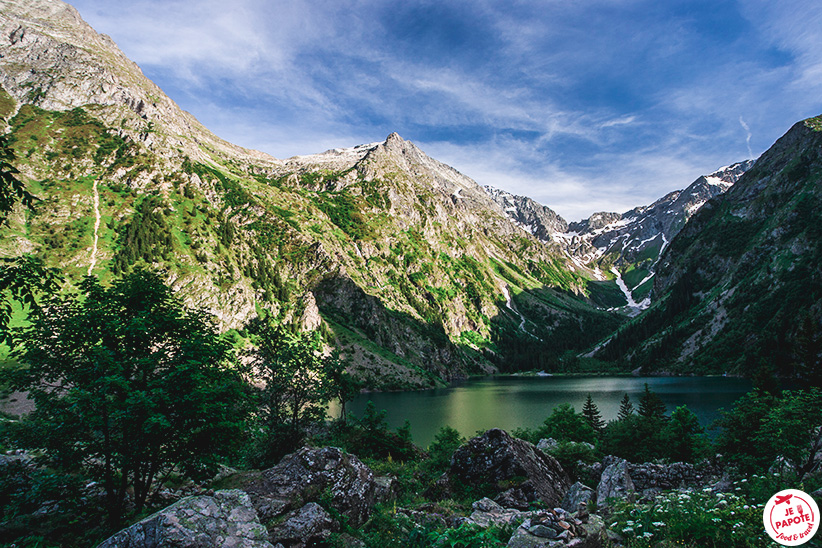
129	385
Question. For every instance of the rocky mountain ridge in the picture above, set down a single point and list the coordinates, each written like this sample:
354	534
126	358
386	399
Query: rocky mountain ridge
616	246
738	286
406	264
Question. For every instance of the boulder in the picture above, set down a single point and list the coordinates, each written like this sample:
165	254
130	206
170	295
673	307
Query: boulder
546	445
495	458
615	483
487	513
340	479
308	526
226	519
557	529
576	495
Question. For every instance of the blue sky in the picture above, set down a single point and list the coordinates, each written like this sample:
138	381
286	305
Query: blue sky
584	105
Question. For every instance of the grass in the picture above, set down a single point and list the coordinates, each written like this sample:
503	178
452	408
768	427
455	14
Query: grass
606	293
7	104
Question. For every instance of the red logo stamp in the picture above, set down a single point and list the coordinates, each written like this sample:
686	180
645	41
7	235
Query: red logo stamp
791	517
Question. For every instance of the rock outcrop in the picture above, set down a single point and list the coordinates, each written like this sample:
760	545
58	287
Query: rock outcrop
496	458
310	525
225	519
577	495
615	483
649	478
348	485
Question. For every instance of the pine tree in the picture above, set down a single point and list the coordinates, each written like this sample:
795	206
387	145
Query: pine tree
626	408
651	405
592	415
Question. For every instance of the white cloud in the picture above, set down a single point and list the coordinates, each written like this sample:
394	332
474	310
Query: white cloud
537	116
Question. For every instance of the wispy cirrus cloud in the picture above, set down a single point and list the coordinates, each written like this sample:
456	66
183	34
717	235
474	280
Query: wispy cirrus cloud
585	106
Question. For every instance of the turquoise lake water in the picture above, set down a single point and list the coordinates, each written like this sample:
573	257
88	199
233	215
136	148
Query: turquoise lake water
510	402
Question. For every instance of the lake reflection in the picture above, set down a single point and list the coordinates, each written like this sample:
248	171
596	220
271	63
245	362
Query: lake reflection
510	402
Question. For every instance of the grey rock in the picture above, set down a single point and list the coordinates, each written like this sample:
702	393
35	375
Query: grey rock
387	487
537	219
226	519
615	483
556	528
547	445
496	457
649	479
309	525
543	531
304	476
628	235
576	495
487	512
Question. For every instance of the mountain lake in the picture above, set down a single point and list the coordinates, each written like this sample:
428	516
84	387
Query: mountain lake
510	401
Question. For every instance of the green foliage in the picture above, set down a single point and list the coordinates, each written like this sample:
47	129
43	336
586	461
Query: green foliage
626	408
296	391
636	438
570	454
565	424
147	236
12	190
369	436
73	516
234	193
651	405
127	384
446	441
345	211
814	123
686	441
693	519
762	427
651	435
24	279
591	414
387	529
7	104
343	386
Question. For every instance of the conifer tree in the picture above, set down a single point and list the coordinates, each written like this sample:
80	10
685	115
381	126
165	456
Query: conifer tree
651	405
626	408
592	415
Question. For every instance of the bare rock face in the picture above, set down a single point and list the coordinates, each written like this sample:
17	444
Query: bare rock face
52	58
539	220
496	457
578	494
308	526
225	519
615	483
312	473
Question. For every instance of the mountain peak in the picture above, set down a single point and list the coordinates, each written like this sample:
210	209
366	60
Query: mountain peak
51	58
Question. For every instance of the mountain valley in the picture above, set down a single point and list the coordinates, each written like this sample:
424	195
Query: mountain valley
416	273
